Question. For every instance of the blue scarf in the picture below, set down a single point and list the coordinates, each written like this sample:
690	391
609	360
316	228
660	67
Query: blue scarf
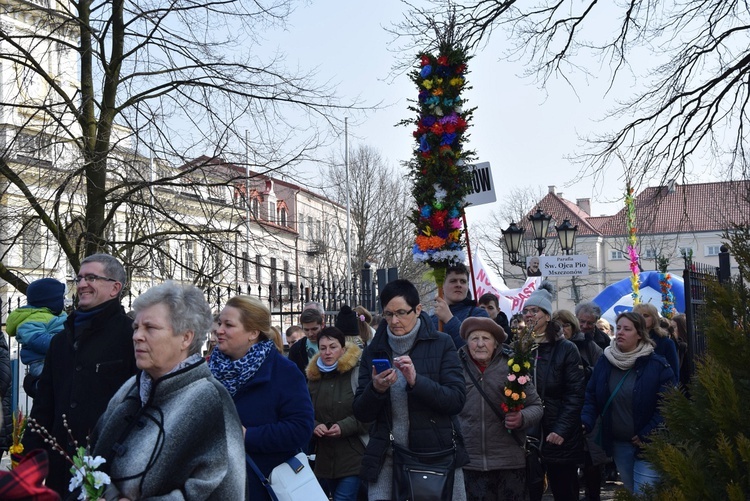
234	374
327	368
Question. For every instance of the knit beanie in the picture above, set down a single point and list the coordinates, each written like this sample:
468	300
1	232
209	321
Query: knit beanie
46	293
347	321
472	324
541	298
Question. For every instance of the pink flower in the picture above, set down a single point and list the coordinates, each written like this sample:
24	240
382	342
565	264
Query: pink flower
523	380
361	318
511	377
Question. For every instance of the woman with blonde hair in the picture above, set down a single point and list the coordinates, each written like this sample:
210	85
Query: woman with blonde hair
366	332
664	344
270	394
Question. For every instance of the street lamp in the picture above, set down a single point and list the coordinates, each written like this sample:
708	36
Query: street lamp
540	225
566	232
513	236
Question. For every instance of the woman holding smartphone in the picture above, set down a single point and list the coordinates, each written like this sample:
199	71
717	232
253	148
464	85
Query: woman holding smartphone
416	400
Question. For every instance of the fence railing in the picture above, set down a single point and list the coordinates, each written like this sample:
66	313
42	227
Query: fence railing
285	301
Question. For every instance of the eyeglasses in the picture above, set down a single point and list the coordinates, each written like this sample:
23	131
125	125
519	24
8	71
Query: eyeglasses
396	314
91	278
530	311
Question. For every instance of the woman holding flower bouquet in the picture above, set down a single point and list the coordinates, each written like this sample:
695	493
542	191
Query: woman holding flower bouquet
171	431
493	438
559	378
625	390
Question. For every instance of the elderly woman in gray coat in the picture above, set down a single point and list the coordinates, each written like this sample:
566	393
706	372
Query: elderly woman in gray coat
171	431
497	467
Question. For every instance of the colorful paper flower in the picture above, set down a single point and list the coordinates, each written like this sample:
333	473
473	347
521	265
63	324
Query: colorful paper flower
440	168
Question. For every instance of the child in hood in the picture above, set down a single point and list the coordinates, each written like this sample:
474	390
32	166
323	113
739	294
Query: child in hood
36	323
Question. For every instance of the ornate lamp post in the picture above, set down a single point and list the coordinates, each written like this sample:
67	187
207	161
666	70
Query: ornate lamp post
513	236
540	225
566	232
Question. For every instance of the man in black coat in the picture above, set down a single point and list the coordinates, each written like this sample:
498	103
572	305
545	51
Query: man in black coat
305	348
6	423
85	365
588	313
490	303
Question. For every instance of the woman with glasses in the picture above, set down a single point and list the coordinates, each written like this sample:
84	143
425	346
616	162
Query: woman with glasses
417	400
560	382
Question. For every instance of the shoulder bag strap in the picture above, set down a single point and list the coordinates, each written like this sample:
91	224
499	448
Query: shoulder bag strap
492	406
617	388
261	477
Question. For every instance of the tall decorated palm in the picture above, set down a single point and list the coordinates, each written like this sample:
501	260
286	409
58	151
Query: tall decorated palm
440	167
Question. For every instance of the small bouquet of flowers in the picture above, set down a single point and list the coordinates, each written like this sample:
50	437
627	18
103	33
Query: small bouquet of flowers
19	428
519	367
84	467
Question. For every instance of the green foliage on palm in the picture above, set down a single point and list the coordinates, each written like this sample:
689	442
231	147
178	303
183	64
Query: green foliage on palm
704	452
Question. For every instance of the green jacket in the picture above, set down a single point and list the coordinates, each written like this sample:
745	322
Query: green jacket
332	397
27	314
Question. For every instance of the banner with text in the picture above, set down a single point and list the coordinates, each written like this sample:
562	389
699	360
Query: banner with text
564	266
510	300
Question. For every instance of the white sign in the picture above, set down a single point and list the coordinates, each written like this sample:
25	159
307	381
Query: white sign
564	266
482	190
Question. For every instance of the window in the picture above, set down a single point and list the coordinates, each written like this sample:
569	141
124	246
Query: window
286	272
245	266
216	193
616	255
189	260
713	250
258	268
686	251
271	211
31	245
274	284
649	254
310	229
255	207
301	225
282	216
38	146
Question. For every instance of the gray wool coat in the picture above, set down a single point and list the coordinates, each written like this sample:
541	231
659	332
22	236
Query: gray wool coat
185	443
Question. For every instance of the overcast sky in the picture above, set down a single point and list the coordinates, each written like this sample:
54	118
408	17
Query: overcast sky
525	132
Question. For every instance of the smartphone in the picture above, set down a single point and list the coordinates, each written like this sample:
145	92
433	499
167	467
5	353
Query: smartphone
381	364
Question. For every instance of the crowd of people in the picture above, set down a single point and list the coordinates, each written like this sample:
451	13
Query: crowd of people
363	399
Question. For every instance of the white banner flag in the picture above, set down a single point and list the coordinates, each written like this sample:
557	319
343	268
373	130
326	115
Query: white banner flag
510	300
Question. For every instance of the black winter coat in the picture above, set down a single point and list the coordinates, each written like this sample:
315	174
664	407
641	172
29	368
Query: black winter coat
82	371
560	382
434	401
6	427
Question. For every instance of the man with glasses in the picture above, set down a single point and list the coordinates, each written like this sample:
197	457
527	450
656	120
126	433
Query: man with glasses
85	365
302	352
456	305
588	313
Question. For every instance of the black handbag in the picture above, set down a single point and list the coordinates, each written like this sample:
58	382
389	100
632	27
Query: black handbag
535	469
423	476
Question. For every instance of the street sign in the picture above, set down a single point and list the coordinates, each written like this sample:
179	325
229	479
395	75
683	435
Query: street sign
564	266
482	190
